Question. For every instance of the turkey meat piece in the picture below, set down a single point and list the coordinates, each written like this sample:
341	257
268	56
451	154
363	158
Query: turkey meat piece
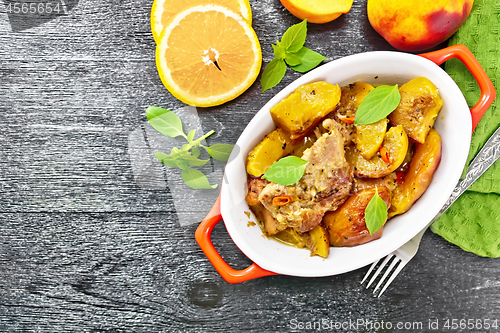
325	185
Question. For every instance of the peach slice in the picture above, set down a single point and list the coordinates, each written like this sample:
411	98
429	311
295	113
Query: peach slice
346	226
418	109
395	144
369	138
274	146
315	240
303	108
319	242
419	175
318	11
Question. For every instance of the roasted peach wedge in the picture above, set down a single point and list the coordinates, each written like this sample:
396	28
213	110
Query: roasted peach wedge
319	242
273	147
392	154
315	240
303	108
369	138
419	175
352	96
418	109
346	226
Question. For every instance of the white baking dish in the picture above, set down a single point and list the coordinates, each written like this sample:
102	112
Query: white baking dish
454	124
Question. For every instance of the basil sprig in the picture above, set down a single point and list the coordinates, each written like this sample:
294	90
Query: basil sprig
377	105
292	52
168	123
375	213
286	171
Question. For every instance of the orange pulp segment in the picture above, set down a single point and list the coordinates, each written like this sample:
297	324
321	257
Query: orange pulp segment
208	55
163	10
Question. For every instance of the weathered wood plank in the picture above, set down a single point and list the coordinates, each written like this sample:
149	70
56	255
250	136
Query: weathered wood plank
141	272
80	86
85	248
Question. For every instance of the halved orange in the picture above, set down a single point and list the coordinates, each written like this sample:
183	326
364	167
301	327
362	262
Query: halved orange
163	10
208	55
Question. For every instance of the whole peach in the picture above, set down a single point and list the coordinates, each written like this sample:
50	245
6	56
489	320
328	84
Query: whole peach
417	25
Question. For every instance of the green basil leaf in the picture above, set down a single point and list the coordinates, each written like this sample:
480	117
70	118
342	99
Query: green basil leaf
193	161
279	51
220	151
196	179
165	159
273	74
309	59
286	171
190	136
184	158
176	152
155	111
294	37
165	121
195	151
375	213
377	105
168	123
181	164
293	59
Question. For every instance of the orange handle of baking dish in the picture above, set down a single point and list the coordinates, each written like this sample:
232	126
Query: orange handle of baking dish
462	53
202	235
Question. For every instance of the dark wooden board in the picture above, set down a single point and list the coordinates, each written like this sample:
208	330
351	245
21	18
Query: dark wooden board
83	248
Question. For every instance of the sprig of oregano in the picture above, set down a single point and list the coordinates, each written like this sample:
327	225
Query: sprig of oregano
292	52
286	171
375	213
377	105
168	123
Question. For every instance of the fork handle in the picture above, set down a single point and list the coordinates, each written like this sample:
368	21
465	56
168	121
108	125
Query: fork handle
483	160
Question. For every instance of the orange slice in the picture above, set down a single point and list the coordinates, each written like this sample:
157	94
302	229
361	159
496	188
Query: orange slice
208	55
163	10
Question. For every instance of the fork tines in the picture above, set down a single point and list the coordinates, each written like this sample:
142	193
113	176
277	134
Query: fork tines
397	263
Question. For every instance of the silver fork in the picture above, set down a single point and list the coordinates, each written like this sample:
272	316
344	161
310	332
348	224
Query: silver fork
401	256
484	159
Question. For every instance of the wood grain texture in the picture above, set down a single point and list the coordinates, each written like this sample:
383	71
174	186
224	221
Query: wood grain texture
83	248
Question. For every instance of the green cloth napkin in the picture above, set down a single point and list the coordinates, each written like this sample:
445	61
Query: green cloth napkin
473	221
